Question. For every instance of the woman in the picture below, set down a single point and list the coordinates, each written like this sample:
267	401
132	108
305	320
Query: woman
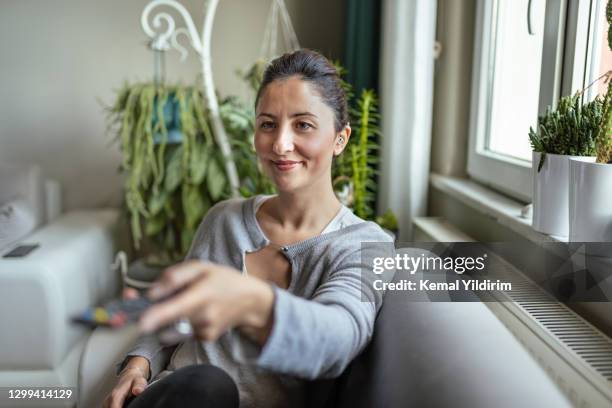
273	286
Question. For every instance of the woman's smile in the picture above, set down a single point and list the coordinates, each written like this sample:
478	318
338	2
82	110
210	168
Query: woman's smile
286	165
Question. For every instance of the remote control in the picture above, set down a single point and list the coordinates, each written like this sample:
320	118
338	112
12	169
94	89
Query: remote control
114	314
120	312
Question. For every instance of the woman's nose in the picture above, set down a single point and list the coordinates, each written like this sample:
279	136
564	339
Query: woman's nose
283	142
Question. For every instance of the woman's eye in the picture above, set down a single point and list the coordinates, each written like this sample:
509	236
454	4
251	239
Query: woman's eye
304	125
267	125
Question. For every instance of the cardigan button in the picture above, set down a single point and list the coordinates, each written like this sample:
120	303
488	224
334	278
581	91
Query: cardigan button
285	249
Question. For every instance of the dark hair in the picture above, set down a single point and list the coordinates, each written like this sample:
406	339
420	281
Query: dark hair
315	68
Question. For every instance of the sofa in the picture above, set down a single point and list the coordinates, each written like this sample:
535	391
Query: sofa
434	354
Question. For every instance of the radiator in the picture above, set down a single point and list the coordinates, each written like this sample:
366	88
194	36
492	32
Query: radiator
576	355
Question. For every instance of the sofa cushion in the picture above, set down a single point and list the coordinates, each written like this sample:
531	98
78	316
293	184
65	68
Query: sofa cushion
17	219
23	201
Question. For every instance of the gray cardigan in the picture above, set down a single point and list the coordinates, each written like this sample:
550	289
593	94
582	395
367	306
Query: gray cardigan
321	321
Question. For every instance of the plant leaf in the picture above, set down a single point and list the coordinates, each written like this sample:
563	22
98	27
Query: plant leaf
215	180
154	225
198	163
193	206
174	172
156	202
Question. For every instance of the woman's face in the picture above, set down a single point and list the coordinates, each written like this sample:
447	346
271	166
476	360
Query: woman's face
295	137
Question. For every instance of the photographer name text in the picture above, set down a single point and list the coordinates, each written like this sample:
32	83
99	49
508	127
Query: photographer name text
428	285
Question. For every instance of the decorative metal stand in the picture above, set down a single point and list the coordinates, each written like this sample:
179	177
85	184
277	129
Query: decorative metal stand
162	41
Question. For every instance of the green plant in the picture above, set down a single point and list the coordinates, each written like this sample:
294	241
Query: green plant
387	220
363	157
360	158
570	129
254	75
168	187
604	139
238	120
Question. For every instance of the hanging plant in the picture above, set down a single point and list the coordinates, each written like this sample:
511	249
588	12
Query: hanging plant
170	184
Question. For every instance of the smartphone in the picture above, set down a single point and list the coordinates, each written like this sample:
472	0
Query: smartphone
21	251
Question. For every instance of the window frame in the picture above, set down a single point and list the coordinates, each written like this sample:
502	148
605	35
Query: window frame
564	68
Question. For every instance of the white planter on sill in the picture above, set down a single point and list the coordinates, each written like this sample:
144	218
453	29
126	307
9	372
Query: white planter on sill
551	193
590	201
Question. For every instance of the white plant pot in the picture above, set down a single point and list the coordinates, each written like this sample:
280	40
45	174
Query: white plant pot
590	202
551	193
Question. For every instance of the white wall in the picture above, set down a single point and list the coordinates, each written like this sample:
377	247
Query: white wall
59	58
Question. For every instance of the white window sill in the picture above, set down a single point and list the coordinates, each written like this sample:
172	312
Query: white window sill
504	210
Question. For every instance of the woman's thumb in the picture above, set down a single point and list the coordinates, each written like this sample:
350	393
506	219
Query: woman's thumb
139	385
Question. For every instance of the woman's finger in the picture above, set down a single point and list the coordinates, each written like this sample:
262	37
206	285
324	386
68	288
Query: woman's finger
209	333
176	277
139	385
180	305
119	394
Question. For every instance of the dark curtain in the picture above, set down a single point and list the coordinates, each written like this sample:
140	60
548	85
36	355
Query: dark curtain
362	43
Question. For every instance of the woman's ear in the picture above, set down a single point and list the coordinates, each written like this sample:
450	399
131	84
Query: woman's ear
342	139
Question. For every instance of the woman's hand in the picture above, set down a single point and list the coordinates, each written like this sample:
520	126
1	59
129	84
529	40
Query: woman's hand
214	298
132	381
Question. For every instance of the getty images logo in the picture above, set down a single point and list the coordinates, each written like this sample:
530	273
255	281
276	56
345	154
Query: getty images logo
412	264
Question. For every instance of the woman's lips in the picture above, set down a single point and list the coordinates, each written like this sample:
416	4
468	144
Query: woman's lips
286	165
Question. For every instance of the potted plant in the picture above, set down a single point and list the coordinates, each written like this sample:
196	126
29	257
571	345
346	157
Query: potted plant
173	168
569	131
591	183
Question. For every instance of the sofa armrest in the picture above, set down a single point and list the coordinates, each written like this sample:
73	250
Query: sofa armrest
69	272
97	375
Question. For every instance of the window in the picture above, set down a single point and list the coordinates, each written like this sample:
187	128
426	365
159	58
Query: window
527	54
515	75
602	53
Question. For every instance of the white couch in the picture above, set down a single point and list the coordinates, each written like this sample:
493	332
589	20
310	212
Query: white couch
71	270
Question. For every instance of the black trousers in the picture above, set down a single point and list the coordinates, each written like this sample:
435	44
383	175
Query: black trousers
199	386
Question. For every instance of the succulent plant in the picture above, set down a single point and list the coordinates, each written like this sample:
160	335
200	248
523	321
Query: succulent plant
570	129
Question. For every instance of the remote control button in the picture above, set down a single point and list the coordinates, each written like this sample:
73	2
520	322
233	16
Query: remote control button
118	320
100	315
